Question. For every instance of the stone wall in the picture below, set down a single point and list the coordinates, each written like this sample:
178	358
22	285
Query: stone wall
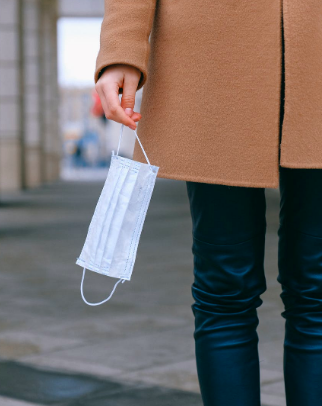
29	126
10	126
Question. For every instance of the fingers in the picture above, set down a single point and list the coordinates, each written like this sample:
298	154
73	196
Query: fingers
128	98
114	110
112	106
112	79
136	116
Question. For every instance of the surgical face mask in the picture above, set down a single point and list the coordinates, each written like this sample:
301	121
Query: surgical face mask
114	232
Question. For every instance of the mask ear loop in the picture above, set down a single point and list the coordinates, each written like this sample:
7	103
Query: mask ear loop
137	137
103	301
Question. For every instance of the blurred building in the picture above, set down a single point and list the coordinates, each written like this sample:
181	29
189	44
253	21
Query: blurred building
30	140
29	134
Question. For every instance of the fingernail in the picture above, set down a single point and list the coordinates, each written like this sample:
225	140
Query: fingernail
133	127
128	111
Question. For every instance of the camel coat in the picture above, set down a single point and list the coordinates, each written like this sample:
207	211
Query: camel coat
213	89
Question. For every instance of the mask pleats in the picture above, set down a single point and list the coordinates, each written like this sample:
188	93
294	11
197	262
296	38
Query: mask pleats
101	209
127	234
108	216
122	204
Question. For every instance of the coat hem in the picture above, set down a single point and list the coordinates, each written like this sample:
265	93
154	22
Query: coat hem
298	165
218	181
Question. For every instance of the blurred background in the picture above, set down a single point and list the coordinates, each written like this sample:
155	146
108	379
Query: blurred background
49	117
55	148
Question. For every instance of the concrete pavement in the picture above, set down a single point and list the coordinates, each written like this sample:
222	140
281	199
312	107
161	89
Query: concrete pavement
137	348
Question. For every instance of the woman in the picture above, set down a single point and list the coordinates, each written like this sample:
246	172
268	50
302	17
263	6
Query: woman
213	115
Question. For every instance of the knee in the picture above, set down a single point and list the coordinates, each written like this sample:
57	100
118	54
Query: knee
226	313
229	278
303	315
300	266
300	271
228	300
301	301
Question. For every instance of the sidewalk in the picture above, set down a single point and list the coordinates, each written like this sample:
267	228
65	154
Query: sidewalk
136	349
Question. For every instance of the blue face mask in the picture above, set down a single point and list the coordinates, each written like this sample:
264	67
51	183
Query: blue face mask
115	229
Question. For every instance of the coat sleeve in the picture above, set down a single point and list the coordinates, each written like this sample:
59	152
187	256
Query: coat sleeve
124	36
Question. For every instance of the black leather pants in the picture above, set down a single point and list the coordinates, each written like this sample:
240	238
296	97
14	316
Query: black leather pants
228	226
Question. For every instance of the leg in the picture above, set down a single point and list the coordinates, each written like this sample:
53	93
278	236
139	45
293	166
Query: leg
300	276
228	228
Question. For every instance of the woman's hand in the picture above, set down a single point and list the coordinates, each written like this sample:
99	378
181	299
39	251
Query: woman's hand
112	79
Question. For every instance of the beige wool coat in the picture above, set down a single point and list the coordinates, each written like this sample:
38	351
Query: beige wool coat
212	76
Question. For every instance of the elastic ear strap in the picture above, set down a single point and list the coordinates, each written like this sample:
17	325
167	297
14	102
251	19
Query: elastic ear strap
103	301
120	138
118	147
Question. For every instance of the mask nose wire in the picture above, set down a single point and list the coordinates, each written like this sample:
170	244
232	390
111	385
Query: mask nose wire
103	301
137	137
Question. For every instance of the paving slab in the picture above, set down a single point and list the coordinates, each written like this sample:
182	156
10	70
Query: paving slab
42	387
142	337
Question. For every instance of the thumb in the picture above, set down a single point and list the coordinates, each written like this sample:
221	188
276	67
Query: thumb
128	96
